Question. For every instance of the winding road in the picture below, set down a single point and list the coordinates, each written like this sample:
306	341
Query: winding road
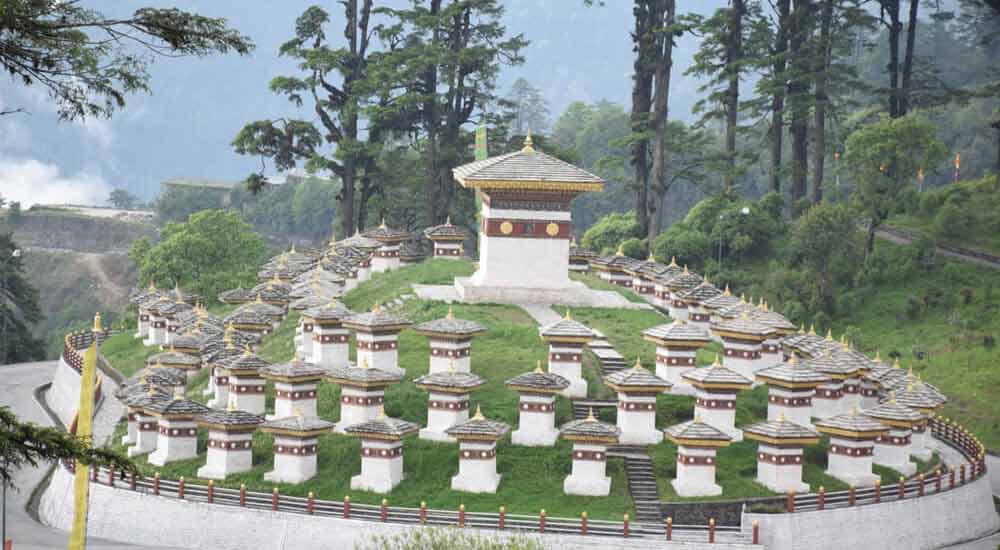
17	391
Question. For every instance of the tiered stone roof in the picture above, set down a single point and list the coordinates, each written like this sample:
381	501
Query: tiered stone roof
678	333
377	320
229	420
682	281
174	358
895	414
294	370
449	382
447	232
383	427
703	292
567	329
716	376
918	399
590	430
162	376
331	311
834	365
297	426
386	234
852	425
697	433
248	363
248	318
636	380
526	169
310	301
360	241
538	381
174	408
721	302
478	428
743	327
781	432
363	376
792	374
449	326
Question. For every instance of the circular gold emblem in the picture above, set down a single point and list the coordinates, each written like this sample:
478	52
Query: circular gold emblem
552	229
506	228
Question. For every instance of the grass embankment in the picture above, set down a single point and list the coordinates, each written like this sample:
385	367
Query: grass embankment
592	280
963	214
532	477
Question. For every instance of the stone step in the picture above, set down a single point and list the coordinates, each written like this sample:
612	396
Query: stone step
641	483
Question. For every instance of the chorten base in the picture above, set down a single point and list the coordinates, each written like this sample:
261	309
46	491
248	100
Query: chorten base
435	435
380	485
475	483
577	389
907	469
534	438
572	293
644	437
696	489
921	453
587	486
858	480
800	488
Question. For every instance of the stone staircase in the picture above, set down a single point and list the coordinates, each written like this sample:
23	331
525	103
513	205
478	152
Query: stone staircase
609	358
641	484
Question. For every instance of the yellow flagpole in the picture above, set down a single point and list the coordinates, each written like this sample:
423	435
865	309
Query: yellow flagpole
84	420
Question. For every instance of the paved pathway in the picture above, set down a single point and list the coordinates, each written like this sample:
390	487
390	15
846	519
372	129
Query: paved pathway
17	385
899	238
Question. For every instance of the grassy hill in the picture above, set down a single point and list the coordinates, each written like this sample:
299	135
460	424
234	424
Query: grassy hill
966	214
532	477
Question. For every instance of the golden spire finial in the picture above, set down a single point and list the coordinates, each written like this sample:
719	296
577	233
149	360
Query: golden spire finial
381	412
538	367
382	225
685	269
726	292
529	145
231	406
812	330
638	363
246	351
479	413
620	251
97	322
878	356
781	416
590	415
447	221
793	360
895	363
716	363
451	314
829	335
152	285
376	308
892	396
651	257
673	261
568	317
364	363
802	328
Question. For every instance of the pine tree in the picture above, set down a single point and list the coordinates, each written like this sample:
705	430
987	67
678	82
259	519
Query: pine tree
19	310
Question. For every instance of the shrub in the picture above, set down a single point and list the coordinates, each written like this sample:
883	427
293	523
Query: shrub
967	295
635	248
689	246
435	538
952	220
989	341
610	231
912	308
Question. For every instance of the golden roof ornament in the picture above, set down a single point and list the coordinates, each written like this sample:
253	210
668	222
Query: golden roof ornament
231	406
829	335
376	308
793	360
451	314
726	292
802	328
538	367
673	261
568	317
447	221
620	251
364	363
781	416
381	412
382	225
590	415
685	269
896	365
892	397
878	356
651	257
638	363
479	413
529	146
812	330
716	363
97	322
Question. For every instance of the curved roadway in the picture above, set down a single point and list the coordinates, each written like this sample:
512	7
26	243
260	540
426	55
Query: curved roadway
17	391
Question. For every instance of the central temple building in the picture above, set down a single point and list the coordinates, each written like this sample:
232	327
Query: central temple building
525	226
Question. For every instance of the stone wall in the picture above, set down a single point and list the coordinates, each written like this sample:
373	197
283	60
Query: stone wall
63	396
933	521
61	231
200	526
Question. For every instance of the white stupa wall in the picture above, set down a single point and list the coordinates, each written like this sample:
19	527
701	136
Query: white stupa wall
851	461
379	351
304	339
177	440
852	394
522	261
381	466
131	429
330	346
142	325
444	410
794	404
447	353
869	394
247	394
358	405
671	363
477	467
742	357
780	468
220	397
718	410
292	397
770	352
637	419
921	446
448	250
829	399
146	435
536	421
893	450
294	459
567	361
228	453
589	474
696	472
677	309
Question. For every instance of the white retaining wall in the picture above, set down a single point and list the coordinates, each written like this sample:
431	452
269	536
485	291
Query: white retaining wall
925	523
63	396
201	526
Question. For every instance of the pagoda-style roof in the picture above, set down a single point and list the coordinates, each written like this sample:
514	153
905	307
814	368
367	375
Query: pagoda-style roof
386	234
616	262
661	271
567	329
696	433
230	420
736	309
153	306
175	309
447	232
580	253
778	322
174	358
449	326
135	395
178	407
852	425
377	320
717	377
162	376
835	365
248	363
781	432
701	293
678	333
383	427
526	169
895	414
683	281
478	428
331	311
363	376
792	374
295	370
639	267
310	301
260	306
636	380
590	430
248	318
743	327
918	398
297	426
180	295
360	241
139	295
319	275
538	381
449	382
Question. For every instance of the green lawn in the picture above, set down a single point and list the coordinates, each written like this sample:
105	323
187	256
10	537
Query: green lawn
593	281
